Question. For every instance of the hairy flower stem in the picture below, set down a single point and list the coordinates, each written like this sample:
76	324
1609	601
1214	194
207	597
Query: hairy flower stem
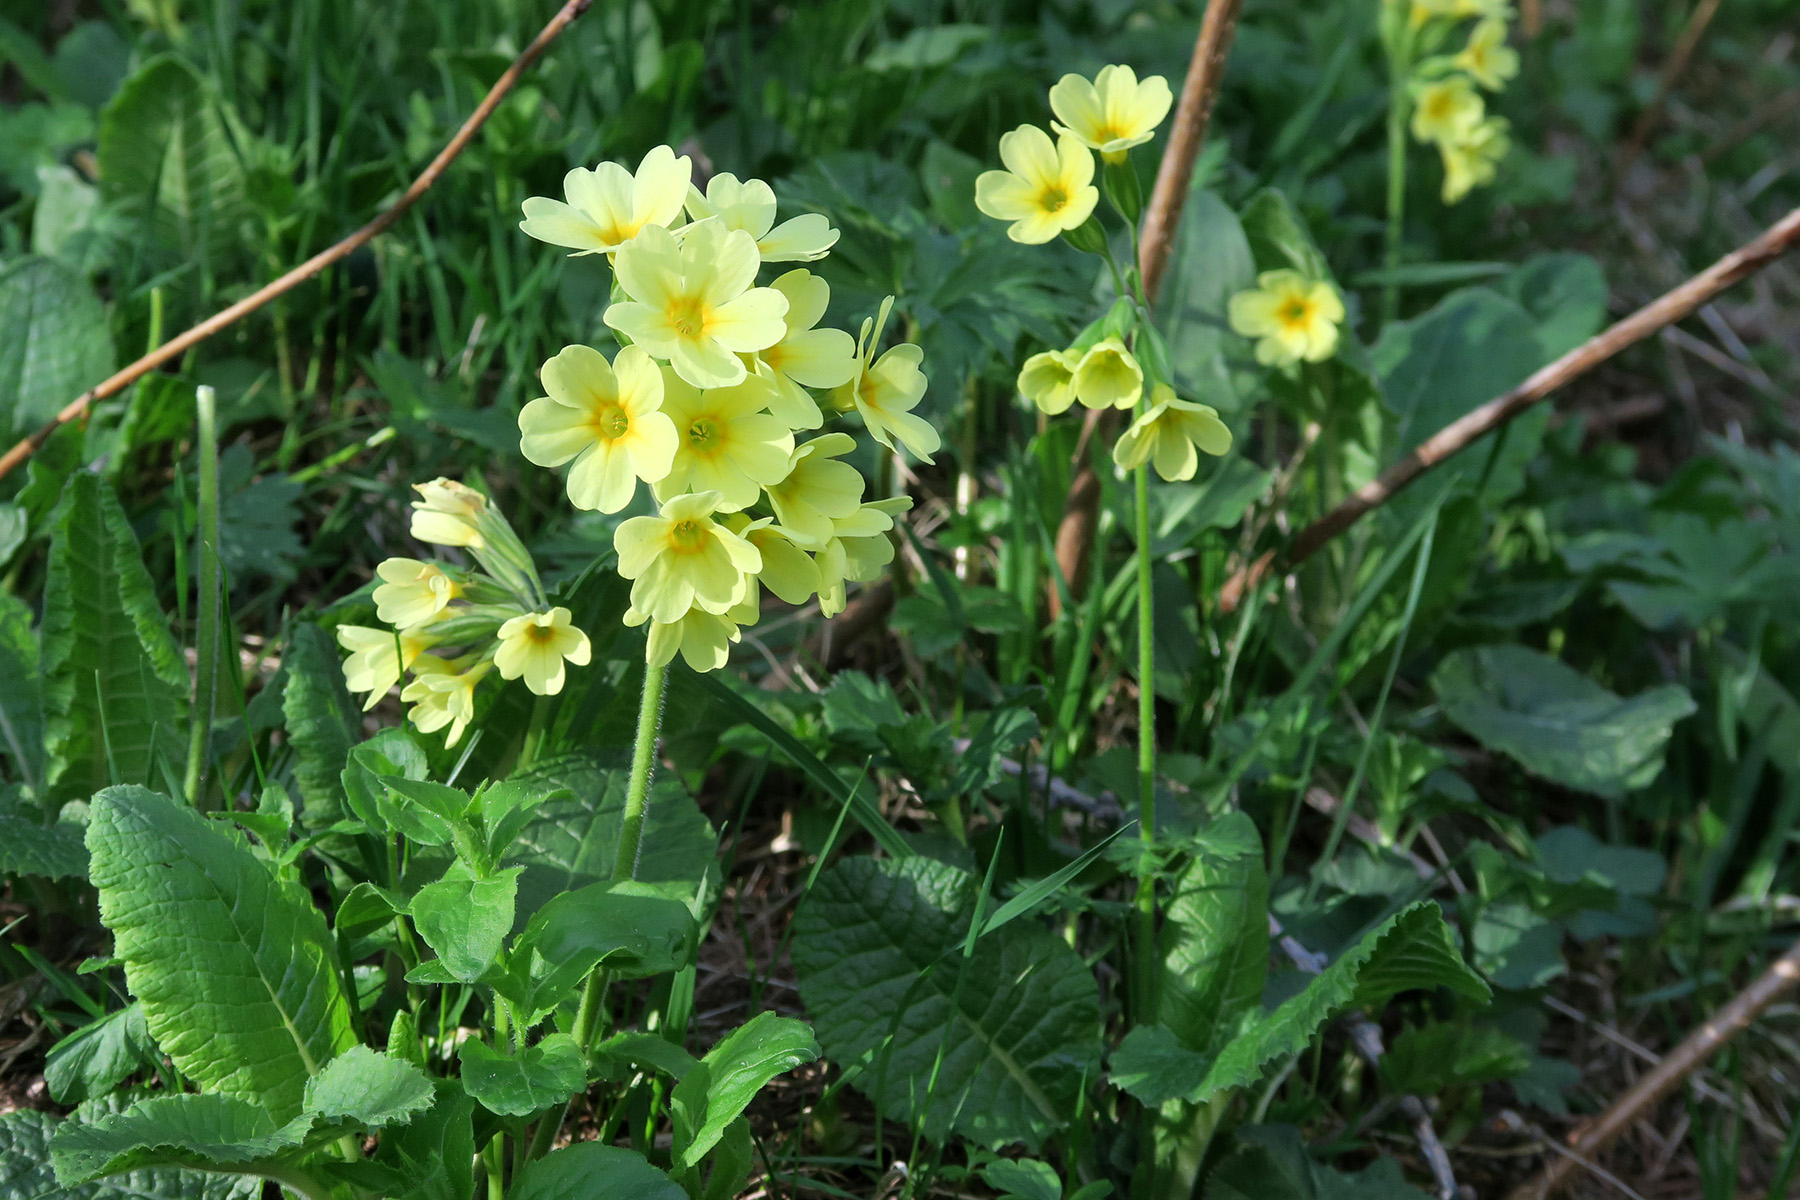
1400	72
1144	942
631	835
208	602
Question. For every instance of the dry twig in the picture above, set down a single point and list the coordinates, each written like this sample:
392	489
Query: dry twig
1781	977
179	345
1665	310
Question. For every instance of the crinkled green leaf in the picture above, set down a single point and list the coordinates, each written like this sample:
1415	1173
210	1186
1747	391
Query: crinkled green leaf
877	948
21	692
115	686
1023	1179
1215	938
369	1088
590	1171
1556	722
1271	1162
571	840
26	1172
181	1130
1153	1065
716	1091
321	721
636	929
533	1079
434	1152
58	343
466	920
235	969
96	1058
29	845
1412	949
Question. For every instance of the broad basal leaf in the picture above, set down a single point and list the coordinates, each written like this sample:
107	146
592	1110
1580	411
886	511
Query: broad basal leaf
30	845
590	1171
636	929
878	947
235	970
57	342
114	684
26	1172
434	1152
1411	949
164	150
1556	722
465	920
1153	1065
1271	1162
571	840
21	693
368	1088
1215	938
721	1086
183	1130
516	1085
321	721
96	1058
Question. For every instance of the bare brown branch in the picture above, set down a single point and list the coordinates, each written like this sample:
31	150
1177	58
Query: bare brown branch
1457	436
179	345
1781	977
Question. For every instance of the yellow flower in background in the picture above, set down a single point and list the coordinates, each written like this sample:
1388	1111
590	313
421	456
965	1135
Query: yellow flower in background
1113	113
692	303
535	646
1446	110
704	639
1107	376
1457	10
377	658
1487	58
1474	161
608	206
682	558
1046	188
412	592
887	389
1294	318
446	514
605	416
817	489
806	357
1048	380
1170	436
750	206
441	695
726	441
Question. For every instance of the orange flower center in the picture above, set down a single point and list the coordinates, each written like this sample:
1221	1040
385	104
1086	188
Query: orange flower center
688	315
687	537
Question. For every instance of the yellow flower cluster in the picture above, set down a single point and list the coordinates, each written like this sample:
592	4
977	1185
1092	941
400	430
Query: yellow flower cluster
716	376
452	626
1046	190
1448	110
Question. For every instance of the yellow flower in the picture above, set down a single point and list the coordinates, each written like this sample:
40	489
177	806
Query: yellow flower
1113	113
608	206
1446	110
412	592
604	416
441	695
1048	380
377	657
1045	190
806	357
1456	10
1107	376
1487	57
725	441
684	559
446	514
1169	436
859	550
535	644
750	206
704	639
692	303
787	570
1474	160
817	489
887	389
1294	317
